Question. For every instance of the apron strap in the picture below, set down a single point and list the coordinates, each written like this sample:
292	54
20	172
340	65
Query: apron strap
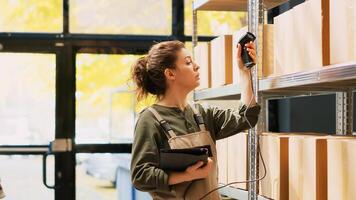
164	124
198	118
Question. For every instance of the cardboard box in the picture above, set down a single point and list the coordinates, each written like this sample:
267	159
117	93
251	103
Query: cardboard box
307	168
222	160
202	58
274	149
341	156
221	61
313	54
299	18
237	160
235	39
342	31
283	41
301	38
268	50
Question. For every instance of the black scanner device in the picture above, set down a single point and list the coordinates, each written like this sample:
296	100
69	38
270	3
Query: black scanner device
246	59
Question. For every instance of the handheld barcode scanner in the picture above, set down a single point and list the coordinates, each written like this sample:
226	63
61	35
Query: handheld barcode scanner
247	60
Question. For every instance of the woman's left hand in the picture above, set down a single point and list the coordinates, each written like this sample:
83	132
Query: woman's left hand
251	48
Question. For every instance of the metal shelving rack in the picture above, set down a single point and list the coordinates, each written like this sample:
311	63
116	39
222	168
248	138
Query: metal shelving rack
339	79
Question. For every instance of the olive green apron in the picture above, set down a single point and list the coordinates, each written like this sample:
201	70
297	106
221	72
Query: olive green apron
198	188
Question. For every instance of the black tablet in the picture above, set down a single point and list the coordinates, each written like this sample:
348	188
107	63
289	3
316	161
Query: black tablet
180	159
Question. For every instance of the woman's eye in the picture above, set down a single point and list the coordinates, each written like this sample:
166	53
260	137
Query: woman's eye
188	63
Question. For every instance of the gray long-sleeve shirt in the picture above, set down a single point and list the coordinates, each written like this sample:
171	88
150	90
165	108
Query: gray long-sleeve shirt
150	137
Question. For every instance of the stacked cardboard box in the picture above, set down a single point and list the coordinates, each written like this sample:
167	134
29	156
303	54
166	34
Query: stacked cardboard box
283	41
221	61
301	39
202	58
313	34
222	151
307	167
274	149
268	50
235	39
341	165
299	18
342	31
237	160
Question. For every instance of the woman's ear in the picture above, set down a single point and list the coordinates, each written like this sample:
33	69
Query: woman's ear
169	74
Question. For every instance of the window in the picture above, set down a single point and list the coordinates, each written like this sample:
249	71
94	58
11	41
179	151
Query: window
31	16
95	176
105	109
211	23
27	103
21	177
149	17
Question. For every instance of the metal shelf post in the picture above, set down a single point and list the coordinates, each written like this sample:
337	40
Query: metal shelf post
255	20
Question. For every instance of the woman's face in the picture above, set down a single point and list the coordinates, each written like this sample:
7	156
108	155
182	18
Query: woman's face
186	71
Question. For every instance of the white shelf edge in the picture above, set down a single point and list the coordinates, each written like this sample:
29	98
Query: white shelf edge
217	92
315	78
326	74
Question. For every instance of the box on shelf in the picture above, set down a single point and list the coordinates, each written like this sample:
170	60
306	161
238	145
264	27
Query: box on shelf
313	35
342	31
268	50
299	18
202	58
301	38
274	149
221	61
235	39
283	41
307	167
222	149
341	156
237	160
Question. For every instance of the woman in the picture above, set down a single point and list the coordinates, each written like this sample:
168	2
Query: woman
169	73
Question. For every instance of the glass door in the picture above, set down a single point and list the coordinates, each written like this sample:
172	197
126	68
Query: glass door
106	111
27	122
36	108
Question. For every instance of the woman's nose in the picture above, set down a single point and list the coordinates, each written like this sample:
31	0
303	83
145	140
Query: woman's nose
196	67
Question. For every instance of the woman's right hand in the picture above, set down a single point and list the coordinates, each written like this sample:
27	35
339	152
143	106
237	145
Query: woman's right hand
198	171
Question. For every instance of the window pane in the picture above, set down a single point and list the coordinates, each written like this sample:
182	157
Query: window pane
149	17
103	105
105	177
21	177
94	176
212	23
27	103
31	16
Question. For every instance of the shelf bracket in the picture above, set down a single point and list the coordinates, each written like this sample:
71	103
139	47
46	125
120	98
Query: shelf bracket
344	112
